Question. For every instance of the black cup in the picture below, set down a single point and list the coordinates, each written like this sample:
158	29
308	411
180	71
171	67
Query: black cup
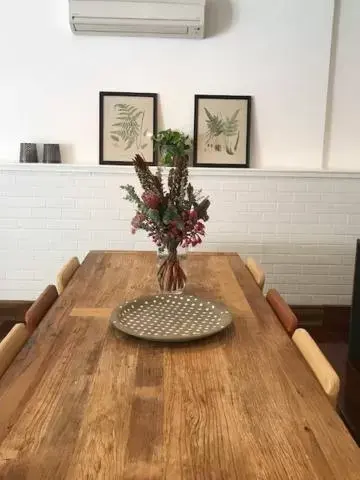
52	153
28	153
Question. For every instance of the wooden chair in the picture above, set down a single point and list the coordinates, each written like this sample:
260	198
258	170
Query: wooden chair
11	345
256	271
282	310
66	273
318	363
40	307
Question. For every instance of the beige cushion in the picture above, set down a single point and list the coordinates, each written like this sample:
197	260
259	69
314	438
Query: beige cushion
256	271
11	345
65	274
318	363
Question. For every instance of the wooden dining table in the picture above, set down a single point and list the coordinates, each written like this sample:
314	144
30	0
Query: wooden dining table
83	402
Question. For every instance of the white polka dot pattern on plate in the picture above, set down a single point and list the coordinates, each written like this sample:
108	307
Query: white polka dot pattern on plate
171	318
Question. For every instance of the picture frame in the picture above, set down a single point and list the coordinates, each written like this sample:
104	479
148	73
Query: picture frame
222	131
127	123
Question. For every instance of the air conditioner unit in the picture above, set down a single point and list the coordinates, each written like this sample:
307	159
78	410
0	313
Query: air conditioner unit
155	18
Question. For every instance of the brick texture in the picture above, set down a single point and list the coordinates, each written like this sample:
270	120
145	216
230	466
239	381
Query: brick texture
301	227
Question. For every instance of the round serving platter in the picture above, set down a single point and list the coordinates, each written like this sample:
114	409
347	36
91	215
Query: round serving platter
170	318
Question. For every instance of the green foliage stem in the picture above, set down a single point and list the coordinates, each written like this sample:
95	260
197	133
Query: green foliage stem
172	144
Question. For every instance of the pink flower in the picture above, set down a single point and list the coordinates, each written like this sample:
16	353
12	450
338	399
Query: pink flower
193	216
199	227
137	220
151	200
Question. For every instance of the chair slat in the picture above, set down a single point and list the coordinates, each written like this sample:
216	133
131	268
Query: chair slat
66	273
40	307
324	372
282	310
11	345
256	271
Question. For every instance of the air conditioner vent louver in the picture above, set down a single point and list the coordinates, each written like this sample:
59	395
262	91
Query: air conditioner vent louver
131	29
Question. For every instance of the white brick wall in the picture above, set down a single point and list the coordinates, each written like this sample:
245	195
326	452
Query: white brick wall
301	226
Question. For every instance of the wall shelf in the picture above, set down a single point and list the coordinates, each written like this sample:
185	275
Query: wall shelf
194	171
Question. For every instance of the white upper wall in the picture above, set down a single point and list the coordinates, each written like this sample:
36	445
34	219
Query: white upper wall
277	51
344	138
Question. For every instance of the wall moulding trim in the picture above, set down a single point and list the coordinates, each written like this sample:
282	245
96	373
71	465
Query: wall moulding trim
194	171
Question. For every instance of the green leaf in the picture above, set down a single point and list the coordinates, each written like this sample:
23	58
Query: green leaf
180	225
172	141
215	125
235	114
208	114
237	142
131	195
115	138
123	116
230	127
129	144
154	216
168	157
129	124
170	214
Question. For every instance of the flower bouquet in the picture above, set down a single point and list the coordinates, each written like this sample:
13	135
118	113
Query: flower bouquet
172	219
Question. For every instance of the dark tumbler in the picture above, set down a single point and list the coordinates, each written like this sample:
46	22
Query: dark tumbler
51	153
28	153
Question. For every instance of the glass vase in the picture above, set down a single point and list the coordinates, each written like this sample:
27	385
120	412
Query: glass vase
171	269
166	157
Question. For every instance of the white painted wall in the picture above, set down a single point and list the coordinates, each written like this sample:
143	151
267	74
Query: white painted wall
344	134
278	51
301	227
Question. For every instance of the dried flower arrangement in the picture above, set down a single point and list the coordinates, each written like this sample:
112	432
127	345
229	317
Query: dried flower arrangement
172	218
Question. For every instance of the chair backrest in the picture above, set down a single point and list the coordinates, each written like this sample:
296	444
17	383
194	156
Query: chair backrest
11	345
318	363
256	271
282	310
40	307
65	274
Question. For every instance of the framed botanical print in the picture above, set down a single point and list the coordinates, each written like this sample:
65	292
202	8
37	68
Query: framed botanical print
128	122
222	131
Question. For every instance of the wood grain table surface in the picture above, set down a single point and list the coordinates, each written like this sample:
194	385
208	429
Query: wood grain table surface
80	402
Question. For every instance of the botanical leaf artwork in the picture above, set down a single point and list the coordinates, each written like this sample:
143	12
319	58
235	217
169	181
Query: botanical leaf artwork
223	132
128	126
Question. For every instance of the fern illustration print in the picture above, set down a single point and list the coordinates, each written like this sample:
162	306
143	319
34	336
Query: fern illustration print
127	126
222	130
